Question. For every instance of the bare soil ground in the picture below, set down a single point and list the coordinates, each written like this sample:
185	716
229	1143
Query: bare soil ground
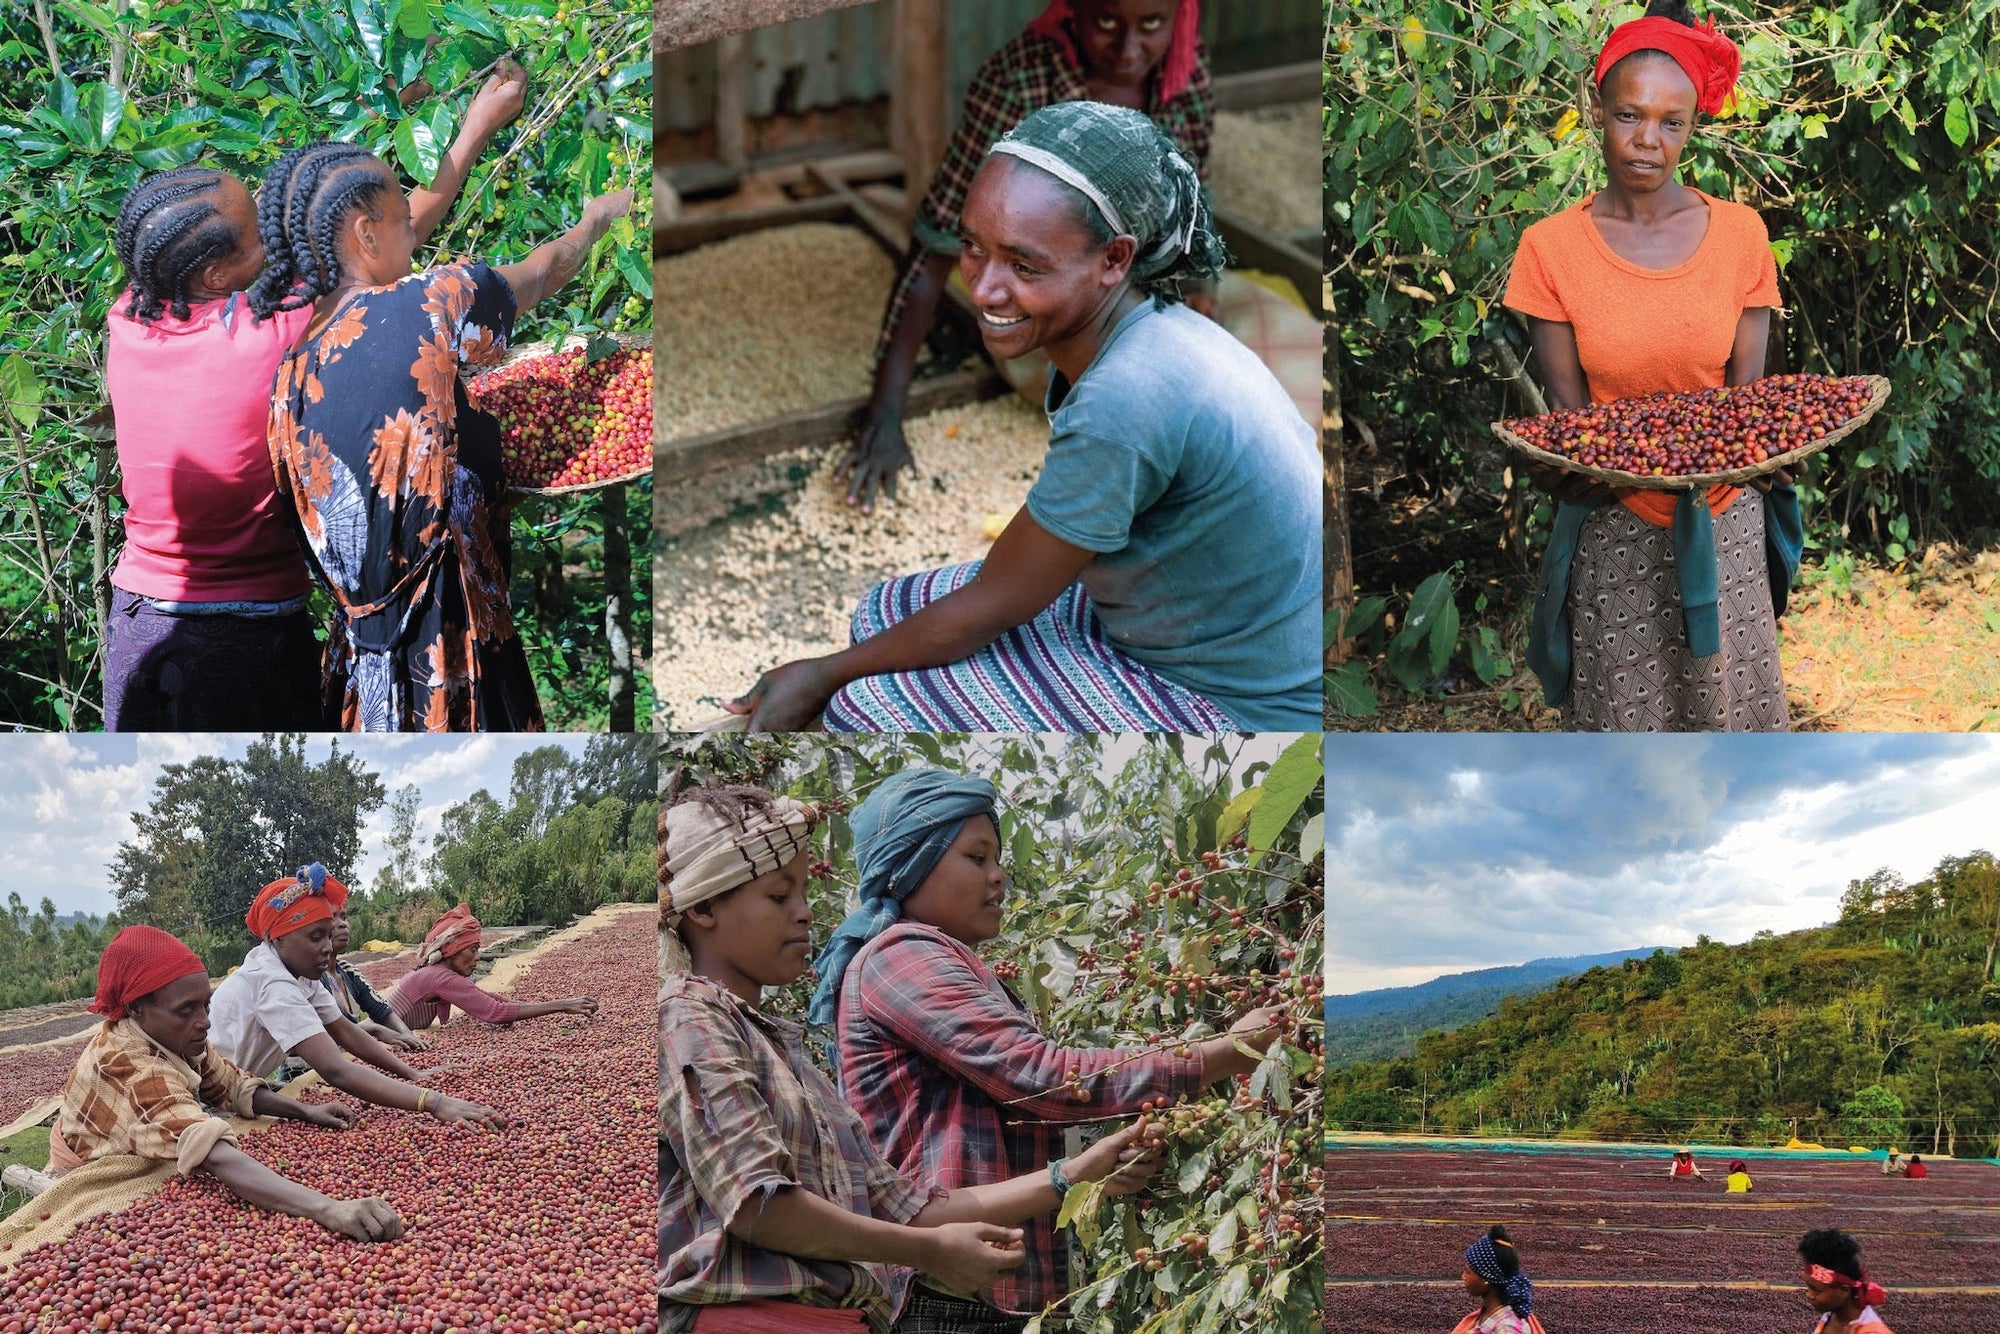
1910	647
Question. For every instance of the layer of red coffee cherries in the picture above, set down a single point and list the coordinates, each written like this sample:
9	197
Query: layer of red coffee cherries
565	422
1707	431
549	1225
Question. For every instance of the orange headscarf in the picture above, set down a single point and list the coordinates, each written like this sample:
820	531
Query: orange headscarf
283	906
452	933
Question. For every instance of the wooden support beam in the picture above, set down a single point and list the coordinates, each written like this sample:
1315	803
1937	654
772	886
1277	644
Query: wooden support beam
732	101
1262	87
1255	248
918	115
676	461
680	23
675	237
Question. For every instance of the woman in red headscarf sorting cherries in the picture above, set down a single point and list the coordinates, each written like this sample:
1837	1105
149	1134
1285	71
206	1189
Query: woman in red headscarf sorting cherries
1655	613
1141	54
273	1006
141	1082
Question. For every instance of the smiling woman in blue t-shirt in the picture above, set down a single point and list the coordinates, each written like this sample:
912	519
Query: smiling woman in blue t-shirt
1165	573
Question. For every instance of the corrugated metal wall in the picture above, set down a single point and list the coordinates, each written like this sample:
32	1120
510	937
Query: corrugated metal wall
847	56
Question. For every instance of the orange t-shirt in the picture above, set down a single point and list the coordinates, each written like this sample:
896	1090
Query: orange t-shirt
1638	330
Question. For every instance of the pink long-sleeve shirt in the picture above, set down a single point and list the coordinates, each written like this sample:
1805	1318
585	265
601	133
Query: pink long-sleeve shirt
428	993
191	399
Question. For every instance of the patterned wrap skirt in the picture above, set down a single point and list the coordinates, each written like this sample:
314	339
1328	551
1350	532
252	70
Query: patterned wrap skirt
1056	673
928	1312
1630	666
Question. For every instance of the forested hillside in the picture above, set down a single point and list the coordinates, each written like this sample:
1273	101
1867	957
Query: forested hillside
1884	1026
1376	1025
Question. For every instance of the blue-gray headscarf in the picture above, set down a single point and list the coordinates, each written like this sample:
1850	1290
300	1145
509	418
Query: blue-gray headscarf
900	833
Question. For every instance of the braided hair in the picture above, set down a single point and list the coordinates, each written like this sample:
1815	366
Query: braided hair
168	228
301	205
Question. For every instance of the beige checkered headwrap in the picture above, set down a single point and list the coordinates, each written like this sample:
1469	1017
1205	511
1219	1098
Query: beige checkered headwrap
704	855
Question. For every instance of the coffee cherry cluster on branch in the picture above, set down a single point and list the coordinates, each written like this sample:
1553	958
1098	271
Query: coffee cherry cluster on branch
567	423
1708	431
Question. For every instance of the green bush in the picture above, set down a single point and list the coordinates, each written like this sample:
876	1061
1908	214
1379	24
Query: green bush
1867	135
118	88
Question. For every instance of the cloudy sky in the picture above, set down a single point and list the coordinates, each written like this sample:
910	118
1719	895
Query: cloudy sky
1447	853
66	801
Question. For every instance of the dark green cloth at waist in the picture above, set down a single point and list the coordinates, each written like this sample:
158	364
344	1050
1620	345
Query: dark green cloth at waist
1694	568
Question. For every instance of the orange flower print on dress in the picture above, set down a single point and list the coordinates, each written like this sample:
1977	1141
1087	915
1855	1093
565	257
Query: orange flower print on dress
402	506
344	331
436	372
448	297
480	347
409	458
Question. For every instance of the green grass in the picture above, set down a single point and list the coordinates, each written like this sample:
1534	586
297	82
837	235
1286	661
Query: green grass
31	1148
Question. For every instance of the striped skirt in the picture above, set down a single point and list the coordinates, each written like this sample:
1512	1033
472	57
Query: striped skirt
1057	673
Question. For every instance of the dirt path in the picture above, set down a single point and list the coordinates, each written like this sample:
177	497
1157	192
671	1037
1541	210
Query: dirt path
1910	648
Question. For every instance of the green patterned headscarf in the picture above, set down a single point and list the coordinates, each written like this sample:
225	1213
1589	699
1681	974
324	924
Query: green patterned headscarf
1136	179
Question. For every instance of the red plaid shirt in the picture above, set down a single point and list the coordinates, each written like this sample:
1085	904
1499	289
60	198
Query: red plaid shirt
1024	76
956	1084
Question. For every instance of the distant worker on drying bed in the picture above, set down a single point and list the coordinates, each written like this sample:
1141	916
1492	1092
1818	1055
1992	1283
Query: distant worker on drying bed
146	1079
444	978
1164	575
360	1002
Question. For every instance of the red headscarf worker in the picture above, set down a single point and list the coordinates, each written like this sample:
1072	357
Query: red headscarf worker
142	1084
273	1006
444	978
1652	286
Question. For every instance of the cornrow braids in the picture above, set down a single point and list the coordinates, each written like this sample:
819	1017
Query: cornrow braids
167	229
300	207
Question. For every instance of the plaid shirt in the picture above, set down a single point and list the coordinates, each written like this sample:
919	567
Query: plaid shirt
1027	74
933	1047
744	1113
128	1094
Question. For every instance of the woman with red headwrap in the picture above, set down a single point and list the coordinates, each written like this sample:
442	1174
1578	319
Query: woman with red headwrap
443	979
1142	54
144	1079
1656	613
273	1006
1838	1287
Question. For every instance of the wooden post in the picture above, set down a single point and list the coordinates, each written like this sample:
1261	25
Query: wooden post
918	116
618	606
732	61
1339	559
682	23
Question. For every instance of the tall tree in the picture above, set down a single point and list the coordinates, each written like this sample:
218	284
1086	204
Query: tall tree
216	830
399	876
543	783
